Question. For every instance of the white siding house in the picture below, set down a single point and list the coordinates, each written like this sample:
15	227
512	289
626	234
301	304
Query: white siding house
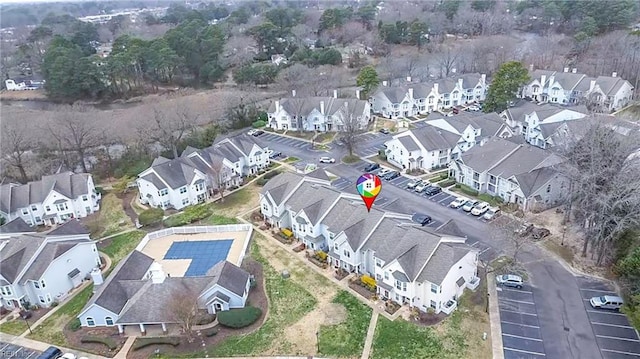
52	200
402	257
197	174
41	268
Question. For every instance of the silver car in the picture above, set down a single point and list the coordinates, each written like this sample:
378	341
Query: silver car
509	280
607	302
468	206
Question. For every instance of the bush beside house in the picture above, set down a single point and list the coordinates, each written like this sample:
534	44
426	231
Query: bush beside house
239	318
189	215
151	216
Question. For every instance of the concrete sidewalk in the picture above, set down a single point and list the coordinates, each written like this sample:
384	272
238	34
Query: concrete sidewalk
368	343
494	319
40	346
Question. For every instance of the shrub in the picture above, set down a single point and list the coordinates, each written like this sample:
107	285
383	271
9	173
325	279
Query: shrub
54	304
368	281
321	255
287	232
239	318
145	342
205	319
151	216
468	190
271	174
75	325
447	183
210	332
110	343
189	215
262	181
258	124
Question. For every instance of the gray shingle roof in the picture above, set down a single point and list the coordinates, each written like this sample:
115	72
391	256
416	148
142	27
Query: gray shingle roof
351	216
482	158
69	184
18	225
306	105
609	85
228	276
444	257
408	143
280	186
568	80
17	252
123	282
451	228
433	138
155	180
532	181
219	295
537	75
400	276
50	252
318	174
525	158
70	227
176	173
315	199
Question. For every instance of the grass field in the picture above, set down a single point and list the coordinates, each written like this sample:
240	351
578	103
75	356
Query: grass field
347	338
110	219
120	246
14	327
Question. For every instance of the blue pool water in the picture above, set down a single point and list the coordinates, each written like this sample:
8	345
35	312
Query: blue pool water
203	254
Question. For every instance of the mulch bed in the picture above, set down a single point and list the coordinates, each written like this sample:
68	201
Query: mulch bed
427	319
257	298
361	290
37	314
340	275
73	338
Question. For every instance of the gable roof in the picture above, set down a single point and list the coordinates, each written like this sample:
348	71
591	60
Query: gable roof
70	227
280	186
433	139
443	258
408	143
155	180
306	105
451	228
49	253
18	225
314	198
530	182
228	276
15	196
319	174
483	158
16	253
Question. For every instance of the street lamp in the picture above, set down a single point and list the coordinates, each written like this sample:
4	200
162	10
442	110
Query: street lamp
26	321
564	230
318	341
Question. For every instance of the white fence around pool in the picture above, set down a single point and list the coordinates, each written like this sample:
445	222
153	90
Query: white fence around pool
201	229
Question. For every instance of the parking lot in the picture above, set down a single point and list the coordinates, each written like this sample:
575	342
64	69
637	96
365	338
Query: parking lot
286	141
616	338
371	143
10	351
521	335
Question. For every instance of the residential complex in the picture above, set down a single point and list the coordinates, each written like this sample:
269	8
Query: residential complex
197	174
423	268
51	200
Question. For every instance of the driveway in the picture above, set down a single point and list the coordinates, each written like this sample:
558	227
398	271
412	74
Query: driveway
370	143
11	351
614	335
521	335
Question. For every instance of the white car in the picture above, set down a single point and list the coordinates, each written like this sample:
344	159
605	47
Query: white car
480	208
251	132
473	108
469	204
68	356
415	183
458	202
491	213
422	186
327	160
384	171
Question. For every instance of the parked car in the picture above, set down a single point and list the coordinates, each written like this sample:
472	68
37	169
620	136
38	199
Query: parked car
50	353
327	160
383	172
491	213
473	108
251	132
371	167
509	280
524	230
469	204
68	356
391	175
480	208
385	131
607	302
432	190
458	202
275	154
258	133
422	186
422	219
413	184
539	233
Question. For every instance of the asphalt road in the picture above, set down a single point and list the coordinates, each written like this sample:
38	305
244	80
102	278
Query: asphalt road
562	327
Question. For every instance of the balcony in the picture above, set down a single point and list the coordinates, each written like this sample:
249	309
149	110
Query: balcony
449	307
473	283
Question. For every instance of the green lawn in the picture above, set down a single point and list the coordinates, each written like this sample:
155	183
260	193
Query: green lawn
120	246
50	331
401	339
346	339
291	159
288	303
350	159
110	219
232	200
14	327
216	220
324	137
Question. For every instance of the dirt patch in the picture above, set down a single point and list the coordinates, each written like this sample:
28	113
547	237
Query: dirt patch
257	298
74	340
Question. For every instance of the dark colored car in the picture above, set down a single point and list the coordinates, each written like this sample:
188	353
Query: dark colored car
433	190
275	155
50	353
391	175
421	219
539	233
258	133
371	167
385	131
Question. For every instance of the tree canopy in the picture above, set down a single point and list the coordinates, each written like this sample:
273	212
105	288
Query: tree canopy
508	80
367	79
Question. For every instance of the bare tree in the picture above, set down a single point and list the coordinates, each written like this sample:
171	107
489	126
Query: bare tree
238	50
73	131
352	124
170	127
512	233
604	170
14	145
183	308
220	175
447	61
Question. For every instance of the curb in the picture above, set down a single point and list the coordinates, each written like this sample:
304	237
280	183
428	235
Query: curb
494	319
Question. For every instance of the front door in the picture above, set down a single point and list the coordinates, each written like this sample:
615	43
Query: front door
217	307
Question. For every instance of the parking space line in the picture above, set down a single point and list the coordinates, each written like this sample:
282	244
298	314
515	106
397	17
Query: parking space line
613	325
474	243
486	249
522	325
512	311
618	338
603	312
517	290
519	337
525	351
604	292
518	301
620	352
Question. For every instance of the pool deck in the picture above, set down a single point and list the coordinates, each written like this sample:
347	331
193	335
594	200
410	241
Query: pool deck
157	249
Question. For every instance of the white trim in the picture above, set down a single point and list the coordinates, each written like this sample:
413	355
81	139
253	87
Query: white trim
520	337
524	351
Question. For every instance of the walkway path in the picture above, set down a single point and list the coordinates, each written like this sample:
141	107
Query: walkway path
122	354
494	319
368	343
117	234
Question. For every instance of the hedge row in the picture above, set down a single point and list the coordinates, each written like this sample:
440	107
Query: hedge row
189	215
467	190
258	124
145	342
239	318
110	343
447	183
